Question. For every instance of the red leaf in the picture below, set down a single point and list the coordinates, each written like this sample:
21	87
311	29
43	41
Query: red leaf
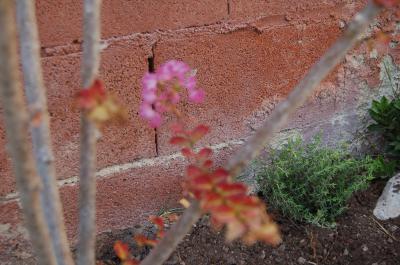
204	153
193	171
121	250
234	230
208	163
97	88
202	183
89	97
268	232
179	140
224	214
199	132
210	201
157	220
141	240
229	189
242	200
177	128
220	175
187	152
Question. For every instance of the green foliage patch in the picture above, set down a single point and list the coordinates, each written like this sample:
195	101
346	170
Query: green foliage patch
386	116
312	183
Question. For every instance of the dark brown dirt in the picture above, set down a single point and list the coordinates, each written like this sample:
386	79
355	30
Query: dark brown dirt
358	239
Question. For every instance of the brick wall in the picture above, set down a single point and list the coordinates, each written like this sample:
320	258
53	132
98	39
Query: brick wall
248	56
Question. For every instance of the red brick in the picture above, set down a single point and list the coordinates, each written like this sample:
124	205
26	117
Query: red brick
243	70
7	181
122	66
128	198
60	22
249	10
123	200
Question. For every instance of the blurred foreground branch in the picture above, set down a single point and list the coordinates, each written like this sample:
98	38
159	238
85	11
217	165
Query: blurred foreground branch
87	183
40	131
16	124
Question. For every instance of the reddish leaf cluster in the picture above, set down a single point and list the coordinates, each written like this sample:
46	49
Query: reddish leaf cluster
227	201
122	252
188	138
142	240
99	105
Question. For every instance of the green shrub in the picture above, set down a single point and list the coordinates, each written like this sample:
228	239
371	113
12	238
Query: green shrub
386	113
312	183
386	116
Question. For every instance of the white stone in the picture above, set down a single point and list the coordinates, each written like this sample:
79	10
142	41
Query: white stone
388	205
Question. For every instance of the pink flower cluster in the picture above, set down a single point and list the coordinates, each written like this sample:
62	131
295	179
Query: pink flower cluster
161	90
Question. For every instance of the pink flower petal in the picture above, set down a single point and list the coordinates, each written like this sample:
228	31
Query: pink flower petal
149	81
149	96
190	83
197	96
156	121
149	114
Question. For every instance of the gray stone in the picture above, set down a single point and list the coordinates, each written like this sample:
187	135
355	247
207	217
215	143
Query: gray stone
301	260
388	205
346	252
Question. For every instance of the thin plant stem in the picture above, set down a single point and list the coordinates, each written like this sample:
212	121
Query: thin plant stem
35	92
17	121
87	187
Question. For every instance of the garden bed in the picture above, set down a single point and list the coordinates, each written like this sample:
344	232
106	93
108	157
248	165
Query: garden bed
358	239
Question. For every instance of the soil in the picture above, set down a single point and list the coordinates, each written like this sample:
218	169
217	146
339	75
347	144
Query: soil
358	239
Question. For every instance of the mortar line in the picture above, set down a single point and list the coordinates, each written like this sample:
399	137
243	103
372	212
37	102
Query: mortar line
141	163
219	27
162	160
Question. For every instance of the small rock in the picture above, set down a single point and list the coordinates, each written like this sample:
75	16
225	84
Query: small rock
262	256
346	252
225	249
388	205
301	260
375	263
282	248
342	24
364	248
390	240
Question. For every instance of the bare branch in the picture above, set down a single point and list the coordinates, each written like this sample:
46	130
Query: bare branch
87	191
273	124
37	104
16	123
